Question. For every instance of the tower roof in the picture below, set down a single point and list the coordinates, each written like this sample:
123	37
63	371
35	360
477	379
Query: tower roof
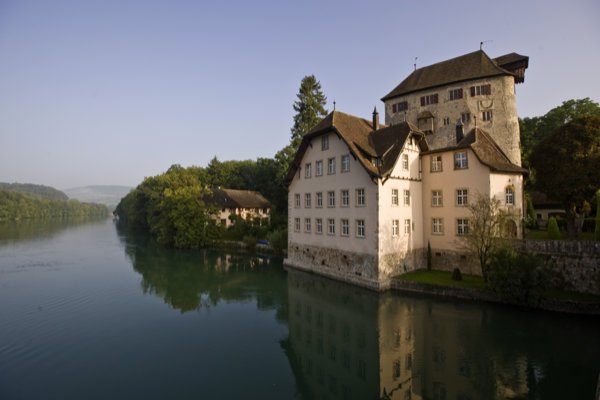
475	65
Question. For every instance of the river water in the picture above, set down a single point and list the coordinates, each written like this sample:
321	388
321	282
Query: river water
89	311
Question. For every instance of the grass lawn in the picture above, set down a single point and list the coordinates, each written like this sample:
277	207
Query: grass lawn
444	278
543	235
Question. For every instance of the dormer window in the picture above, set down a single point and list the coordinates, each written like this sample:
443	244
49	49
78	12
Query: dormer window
425	121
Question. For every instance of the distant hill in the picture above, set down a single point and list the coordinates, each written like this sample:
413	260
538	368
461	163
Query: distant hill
109	195
38	191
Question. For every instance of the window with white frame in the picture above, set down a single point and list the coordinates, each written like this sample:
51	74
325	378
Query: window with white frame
331	199
462	197
462	226
345	228
319	168
331	166
297	224
407	227
319	223
308	170
325	142
460	160
405	162
510	196
345	198
406	197
360	228
436	198
307	200
395	227
394	197
297	200
345	163
436	163
319	199
331	226
360	197
437	226
307	225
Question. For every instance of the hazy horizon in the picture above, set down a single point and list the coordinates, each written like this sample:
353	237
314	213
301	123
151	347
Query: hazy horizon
107	93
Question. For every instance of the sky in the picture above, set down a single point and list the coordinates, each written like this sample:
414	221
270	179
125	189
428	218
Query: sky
109	92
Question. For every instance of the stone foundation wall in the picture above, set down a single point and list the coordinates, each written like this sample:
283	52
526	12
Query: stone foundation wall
350	267
447	260
575	265
394	264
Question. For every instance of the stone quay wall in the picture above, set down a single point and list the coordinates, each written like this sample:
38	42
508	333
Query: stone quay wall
355	268
574	265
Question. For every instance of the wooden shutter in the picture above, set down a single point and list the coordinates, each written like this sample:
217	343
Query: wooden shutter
472	91
423	101
435	98
460	93
405	105
488	89
393	108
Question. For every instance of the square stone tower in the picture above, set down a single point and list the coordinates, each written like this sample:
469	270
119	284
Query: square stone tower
473	88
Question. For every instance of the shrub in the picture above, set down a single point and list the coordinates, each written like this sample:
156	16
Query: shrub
530	221
278	240
517	277
250	242
456	275
428	256
597	231
553	231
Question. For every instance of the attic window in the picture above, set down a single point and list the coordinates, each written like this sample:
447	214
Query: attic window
481	90
325	143
429	99
456	94
398	107
374	161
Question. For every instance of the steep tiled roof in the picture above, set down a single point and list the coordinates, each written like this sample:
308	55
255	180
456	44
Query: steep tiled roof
231	198
364	143
470	66
487	152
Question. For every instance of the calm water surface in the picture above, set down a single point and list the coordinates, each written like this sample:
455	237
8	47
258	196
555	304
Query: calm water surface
88	311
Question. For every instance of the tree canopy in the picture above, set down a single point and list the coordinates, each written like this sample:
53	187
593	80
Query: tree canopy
38	191
310	108
534	130
567	166
486	228
19	206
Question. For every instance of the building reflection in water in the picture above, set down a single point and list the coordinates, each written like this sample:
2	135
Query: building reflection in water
350	343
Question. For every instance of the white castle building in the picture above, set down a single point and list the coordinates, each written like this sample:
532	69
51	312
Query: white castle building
365	199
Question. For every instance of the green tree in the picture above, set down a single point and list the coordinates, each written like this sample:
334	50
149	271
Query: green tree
553	230
486	231
531	219
517	277
597	229
534	130
566	165
310	109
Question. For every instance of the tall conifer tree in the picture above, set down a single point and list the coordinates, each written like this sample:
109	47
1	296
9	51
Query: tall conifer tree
310	109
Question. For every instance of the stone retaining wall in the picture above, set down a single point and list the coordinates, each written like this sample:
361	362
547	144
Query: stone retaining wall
575	265
357	269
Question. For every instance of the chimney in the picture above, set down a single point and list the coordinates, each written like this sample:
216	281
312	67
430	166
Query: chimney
460	132
375	119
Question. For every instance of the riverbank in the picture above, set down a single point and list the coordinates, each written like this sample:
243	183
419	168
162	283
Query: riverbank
481	293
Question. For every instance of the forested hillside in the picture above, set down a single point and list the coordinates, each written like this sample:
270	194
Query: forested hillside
17	206
38	191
